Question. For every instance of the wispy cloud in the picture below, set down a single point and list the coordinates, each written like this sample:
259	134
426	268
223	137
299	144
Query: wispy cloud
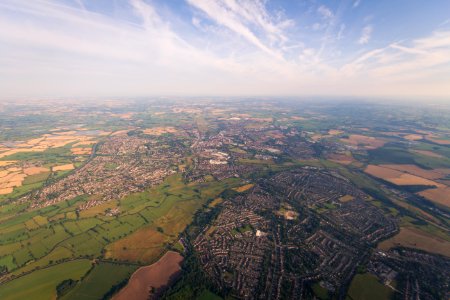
366	34
50	48
325	12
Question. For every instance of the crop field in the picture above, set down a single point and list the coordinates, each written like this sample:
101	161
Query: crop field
415	238
244	188
99	281
159	130
366	142
440	195
415	170
398	177
41	285
155	275
42	239
396	154
177	202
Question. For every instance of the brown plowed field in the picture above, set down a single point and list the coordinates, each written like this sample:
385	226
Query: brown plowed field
154	276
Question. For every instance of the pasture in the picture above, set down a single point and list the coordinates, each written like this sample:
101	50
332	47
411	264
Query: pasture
41	284
367	287
99	281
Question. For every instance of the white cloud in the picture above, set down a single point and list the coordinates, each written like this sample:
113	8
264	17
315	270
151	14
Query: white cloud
250	20
325	12
366	34
51	49
356	3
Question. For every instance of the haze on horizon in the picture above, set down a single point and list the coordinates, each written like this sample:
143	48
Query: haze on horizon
104	48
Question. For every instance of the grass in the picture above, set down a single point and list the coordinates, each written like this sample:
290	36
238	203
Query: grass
393	154
99	281
41	285
208	295
320	292
8	262
35	240
367	287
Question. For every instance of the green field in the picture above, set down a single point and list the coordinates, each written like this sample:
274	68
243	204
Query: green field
35	239
41	285
99	281
367	287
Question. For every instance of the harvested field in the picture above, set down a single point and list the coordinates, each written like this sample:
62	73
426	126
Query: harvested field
85	143
159	130
428	153
53	140
398	177
413	137
63	167
437	140
244	188
440	195
6	191
81	151
35	170
155	276
415	170
415	238
215	202
346	198
142	245
335	132
10	178
6	163
367	142
341	158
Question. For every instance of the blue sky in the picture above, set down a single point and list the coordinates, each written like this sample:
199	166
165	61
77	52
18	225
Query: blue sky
126	48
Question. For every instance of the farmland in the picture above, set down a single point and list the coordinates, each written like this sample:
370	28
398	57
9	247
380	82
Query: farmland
415	238
245	194
147	280
99	281
43	283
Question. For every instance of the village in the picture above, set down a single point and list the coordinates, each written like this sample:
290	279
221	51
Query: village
122	165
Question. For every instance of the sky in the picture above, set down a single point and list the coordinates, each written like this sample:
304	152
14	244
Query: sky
137	48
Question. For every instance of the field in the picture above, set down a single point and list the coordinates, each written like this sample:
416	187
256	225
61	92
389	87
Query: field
63	167
41	285
244	188
400	154
440	195
171	210
415	170
341	158
398	177
415	238
155	276
366	142
159	130
346	198
428	153
99	281
143	245
367	287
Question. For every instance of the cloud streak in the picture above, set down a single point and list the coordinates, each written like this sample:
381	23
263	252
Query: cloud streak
54	49
366	34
